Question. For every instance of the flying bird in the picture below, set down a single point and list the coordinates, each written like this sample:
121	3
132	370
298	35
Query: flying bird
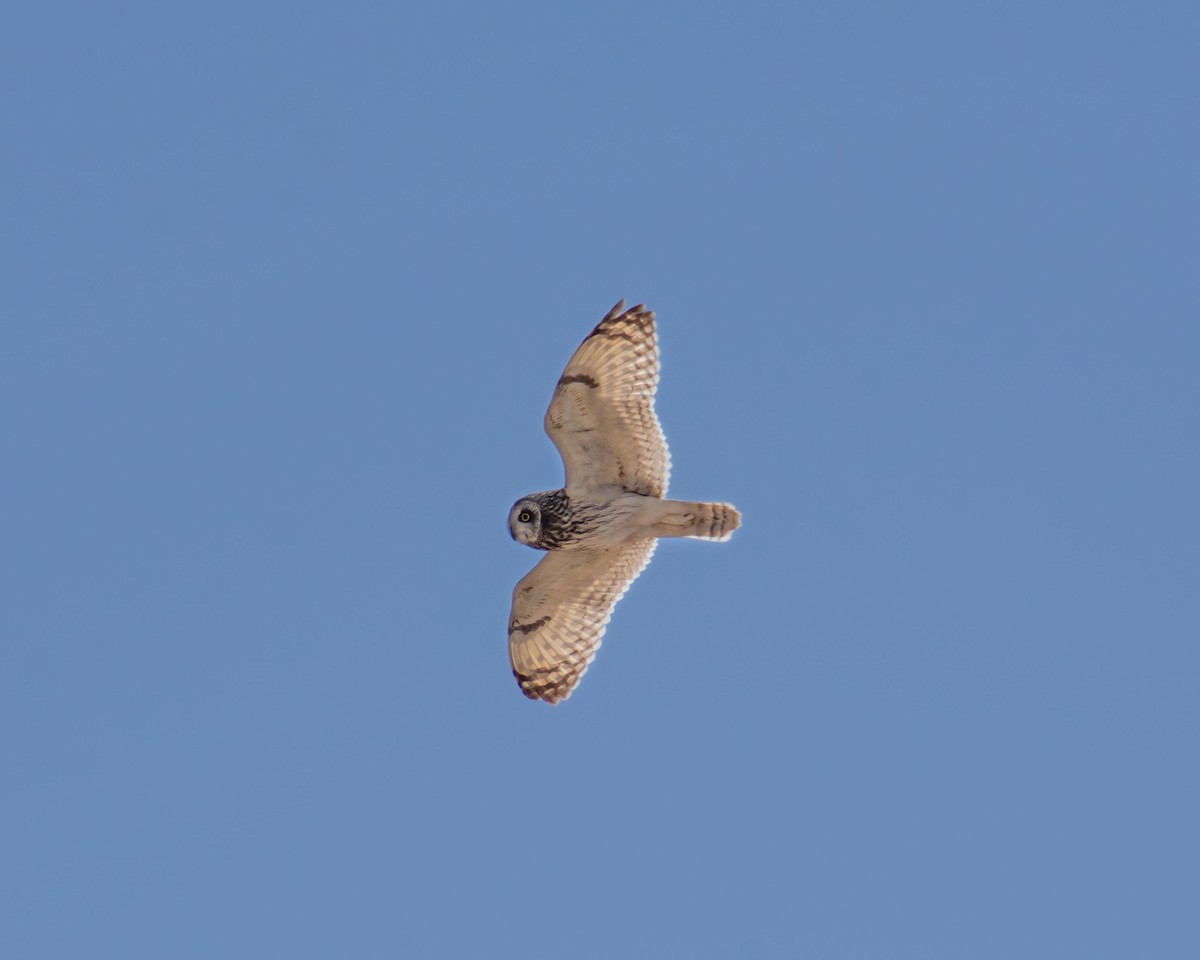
601	529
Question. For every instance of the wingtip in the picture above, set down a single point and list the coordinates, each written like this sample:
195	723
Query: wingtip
637	313
616	311
548	691
539	694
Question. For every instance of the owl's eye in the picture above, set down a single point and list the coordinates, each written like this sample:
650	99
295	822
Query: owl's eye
525	516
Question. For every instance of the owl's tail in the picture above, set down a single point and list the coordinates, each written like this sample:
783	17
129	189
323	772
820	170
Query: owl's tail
700	521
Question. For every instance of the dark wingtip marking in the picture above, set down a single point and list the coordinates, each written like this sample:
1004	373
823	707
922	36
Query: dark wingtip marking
640	315
536	689
529	627
583	378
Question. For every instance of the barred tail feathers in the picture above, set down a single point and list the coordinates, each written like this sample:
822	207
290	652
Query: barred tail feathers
699	521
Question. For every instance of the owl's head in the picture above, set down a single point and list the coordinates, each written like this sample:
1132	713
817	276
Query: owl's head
525	522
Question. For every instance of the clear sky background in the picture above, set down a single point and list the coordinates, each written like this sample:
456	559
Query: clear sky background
286	289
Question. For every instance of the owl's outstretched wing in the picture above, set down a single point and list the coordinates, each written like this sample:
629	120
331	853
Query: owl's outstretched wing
602	417
559	612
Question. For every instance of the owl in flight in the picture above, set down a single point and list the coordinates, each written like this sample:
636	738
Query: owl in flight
601	529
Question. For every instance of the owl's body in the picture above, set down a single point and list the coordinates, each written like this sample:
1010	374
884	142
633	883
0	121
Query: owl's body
605	518
601	529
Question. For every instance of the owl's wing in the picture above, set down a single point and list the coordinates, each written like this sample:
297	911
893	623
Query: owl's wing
602	415
559	612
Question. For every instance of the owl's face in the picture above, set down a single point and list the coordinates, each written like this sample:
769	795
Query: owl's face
525	522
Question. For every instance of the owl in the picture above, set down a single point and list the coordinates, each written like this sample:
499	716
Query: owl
601	529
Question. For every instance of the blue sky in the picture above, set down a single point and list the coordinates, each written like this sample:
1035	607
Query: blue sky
287	287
